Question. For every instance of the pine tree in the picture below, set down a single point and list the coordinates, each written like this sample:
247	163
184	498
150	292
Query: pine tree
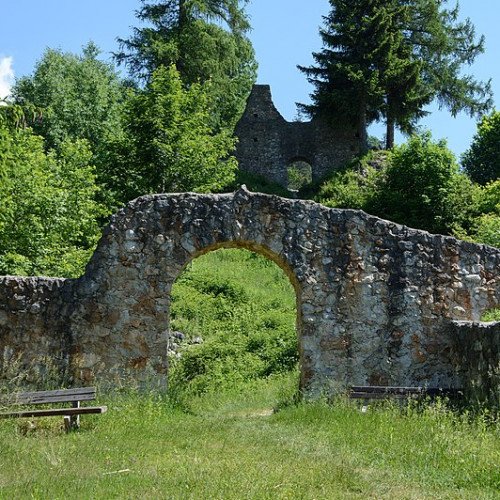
390	58
205	40
346	85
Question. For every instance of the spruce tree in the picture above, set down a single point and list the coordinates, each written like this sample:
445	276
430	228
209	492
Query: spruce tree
345	84
390	58
205	40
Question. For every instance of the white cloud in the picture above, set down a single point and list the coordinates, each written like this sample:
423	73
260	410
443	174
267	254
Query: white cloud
6	76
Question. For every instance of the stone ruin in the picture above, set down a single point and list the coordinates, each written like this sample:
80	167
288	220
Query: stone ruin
268	145
377	303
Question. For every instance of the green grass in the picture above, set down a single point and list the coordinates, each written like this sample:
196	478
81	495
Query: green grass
231	445
243	307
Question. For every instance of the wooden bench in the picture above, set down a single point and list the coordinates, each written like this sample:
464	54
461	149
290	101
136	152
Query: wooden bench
386	392
71	415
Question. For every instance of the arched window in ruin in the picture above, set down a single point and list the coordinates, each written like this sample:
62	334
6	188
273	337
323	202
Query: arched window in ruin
299	174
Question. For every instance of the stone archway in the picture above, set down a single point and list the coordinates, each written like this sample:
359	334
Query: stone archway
269	255
376	300
236	308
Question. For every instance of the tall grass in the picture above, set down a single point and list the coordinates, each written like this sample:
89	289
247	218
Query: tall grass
232	445
239	310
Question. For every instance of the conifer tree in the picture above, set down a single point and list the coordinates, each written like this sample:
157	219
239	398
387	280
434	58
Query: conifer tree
388	59
204	40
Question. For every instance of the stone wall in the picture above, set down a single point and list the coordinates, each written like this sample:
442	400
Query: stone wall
477	347
268	144
375	299
33	341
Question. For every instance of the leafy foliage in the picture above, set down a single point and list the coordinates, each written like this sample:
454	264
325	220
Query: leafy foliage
484	226
487	230
206	41
418	184
356	186
491	315
482	160
423	187
299	175
48	212
79	96
168	144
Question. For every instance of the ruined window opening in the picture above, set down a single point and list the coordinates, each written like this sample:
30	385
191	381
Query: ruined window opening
233	309
299	175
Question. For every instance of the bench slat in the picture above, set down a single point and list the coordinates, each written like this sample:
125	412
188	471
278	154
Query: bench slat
56	411
381	392
376	395
383	388
57	396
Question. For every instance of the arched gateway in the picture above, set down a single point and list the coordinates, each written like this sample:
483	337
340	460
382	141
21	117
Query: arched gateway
375	300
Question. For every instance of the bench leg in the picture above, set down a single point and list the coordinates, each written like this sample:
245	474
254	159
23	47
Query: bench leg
72	422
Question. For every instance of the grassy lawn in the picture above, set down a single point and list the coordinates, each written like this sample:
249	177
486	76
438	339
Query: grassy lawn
232	445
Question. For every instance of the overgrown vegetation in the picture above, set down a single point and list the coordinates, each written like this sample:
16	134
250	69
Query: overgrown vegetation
77	140
239	309
232	445
418	184
49	213
482	160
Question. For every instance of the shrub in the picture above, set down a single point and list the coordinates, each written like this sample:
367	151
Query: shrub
423	187
482	160
356	185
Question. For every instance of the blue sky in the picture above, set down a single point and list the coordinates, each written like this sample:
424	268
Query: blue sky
285	32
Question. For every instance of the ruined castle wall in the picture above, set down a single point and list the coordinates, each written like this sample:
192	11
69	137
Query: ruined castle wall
477	351
32	342
375	299
268	144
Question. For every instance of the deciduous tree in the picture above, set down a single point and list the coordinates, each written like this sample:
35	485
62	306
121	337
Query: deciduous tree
48	212
78	97
423	187
482	160
168	144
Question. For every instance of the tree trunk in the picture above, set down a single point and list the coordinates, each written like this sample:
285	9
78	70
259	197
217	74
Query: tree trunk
362	128
389	139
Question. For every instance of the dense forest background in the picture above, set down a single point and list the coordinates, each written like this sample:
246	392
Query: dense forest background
79	137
